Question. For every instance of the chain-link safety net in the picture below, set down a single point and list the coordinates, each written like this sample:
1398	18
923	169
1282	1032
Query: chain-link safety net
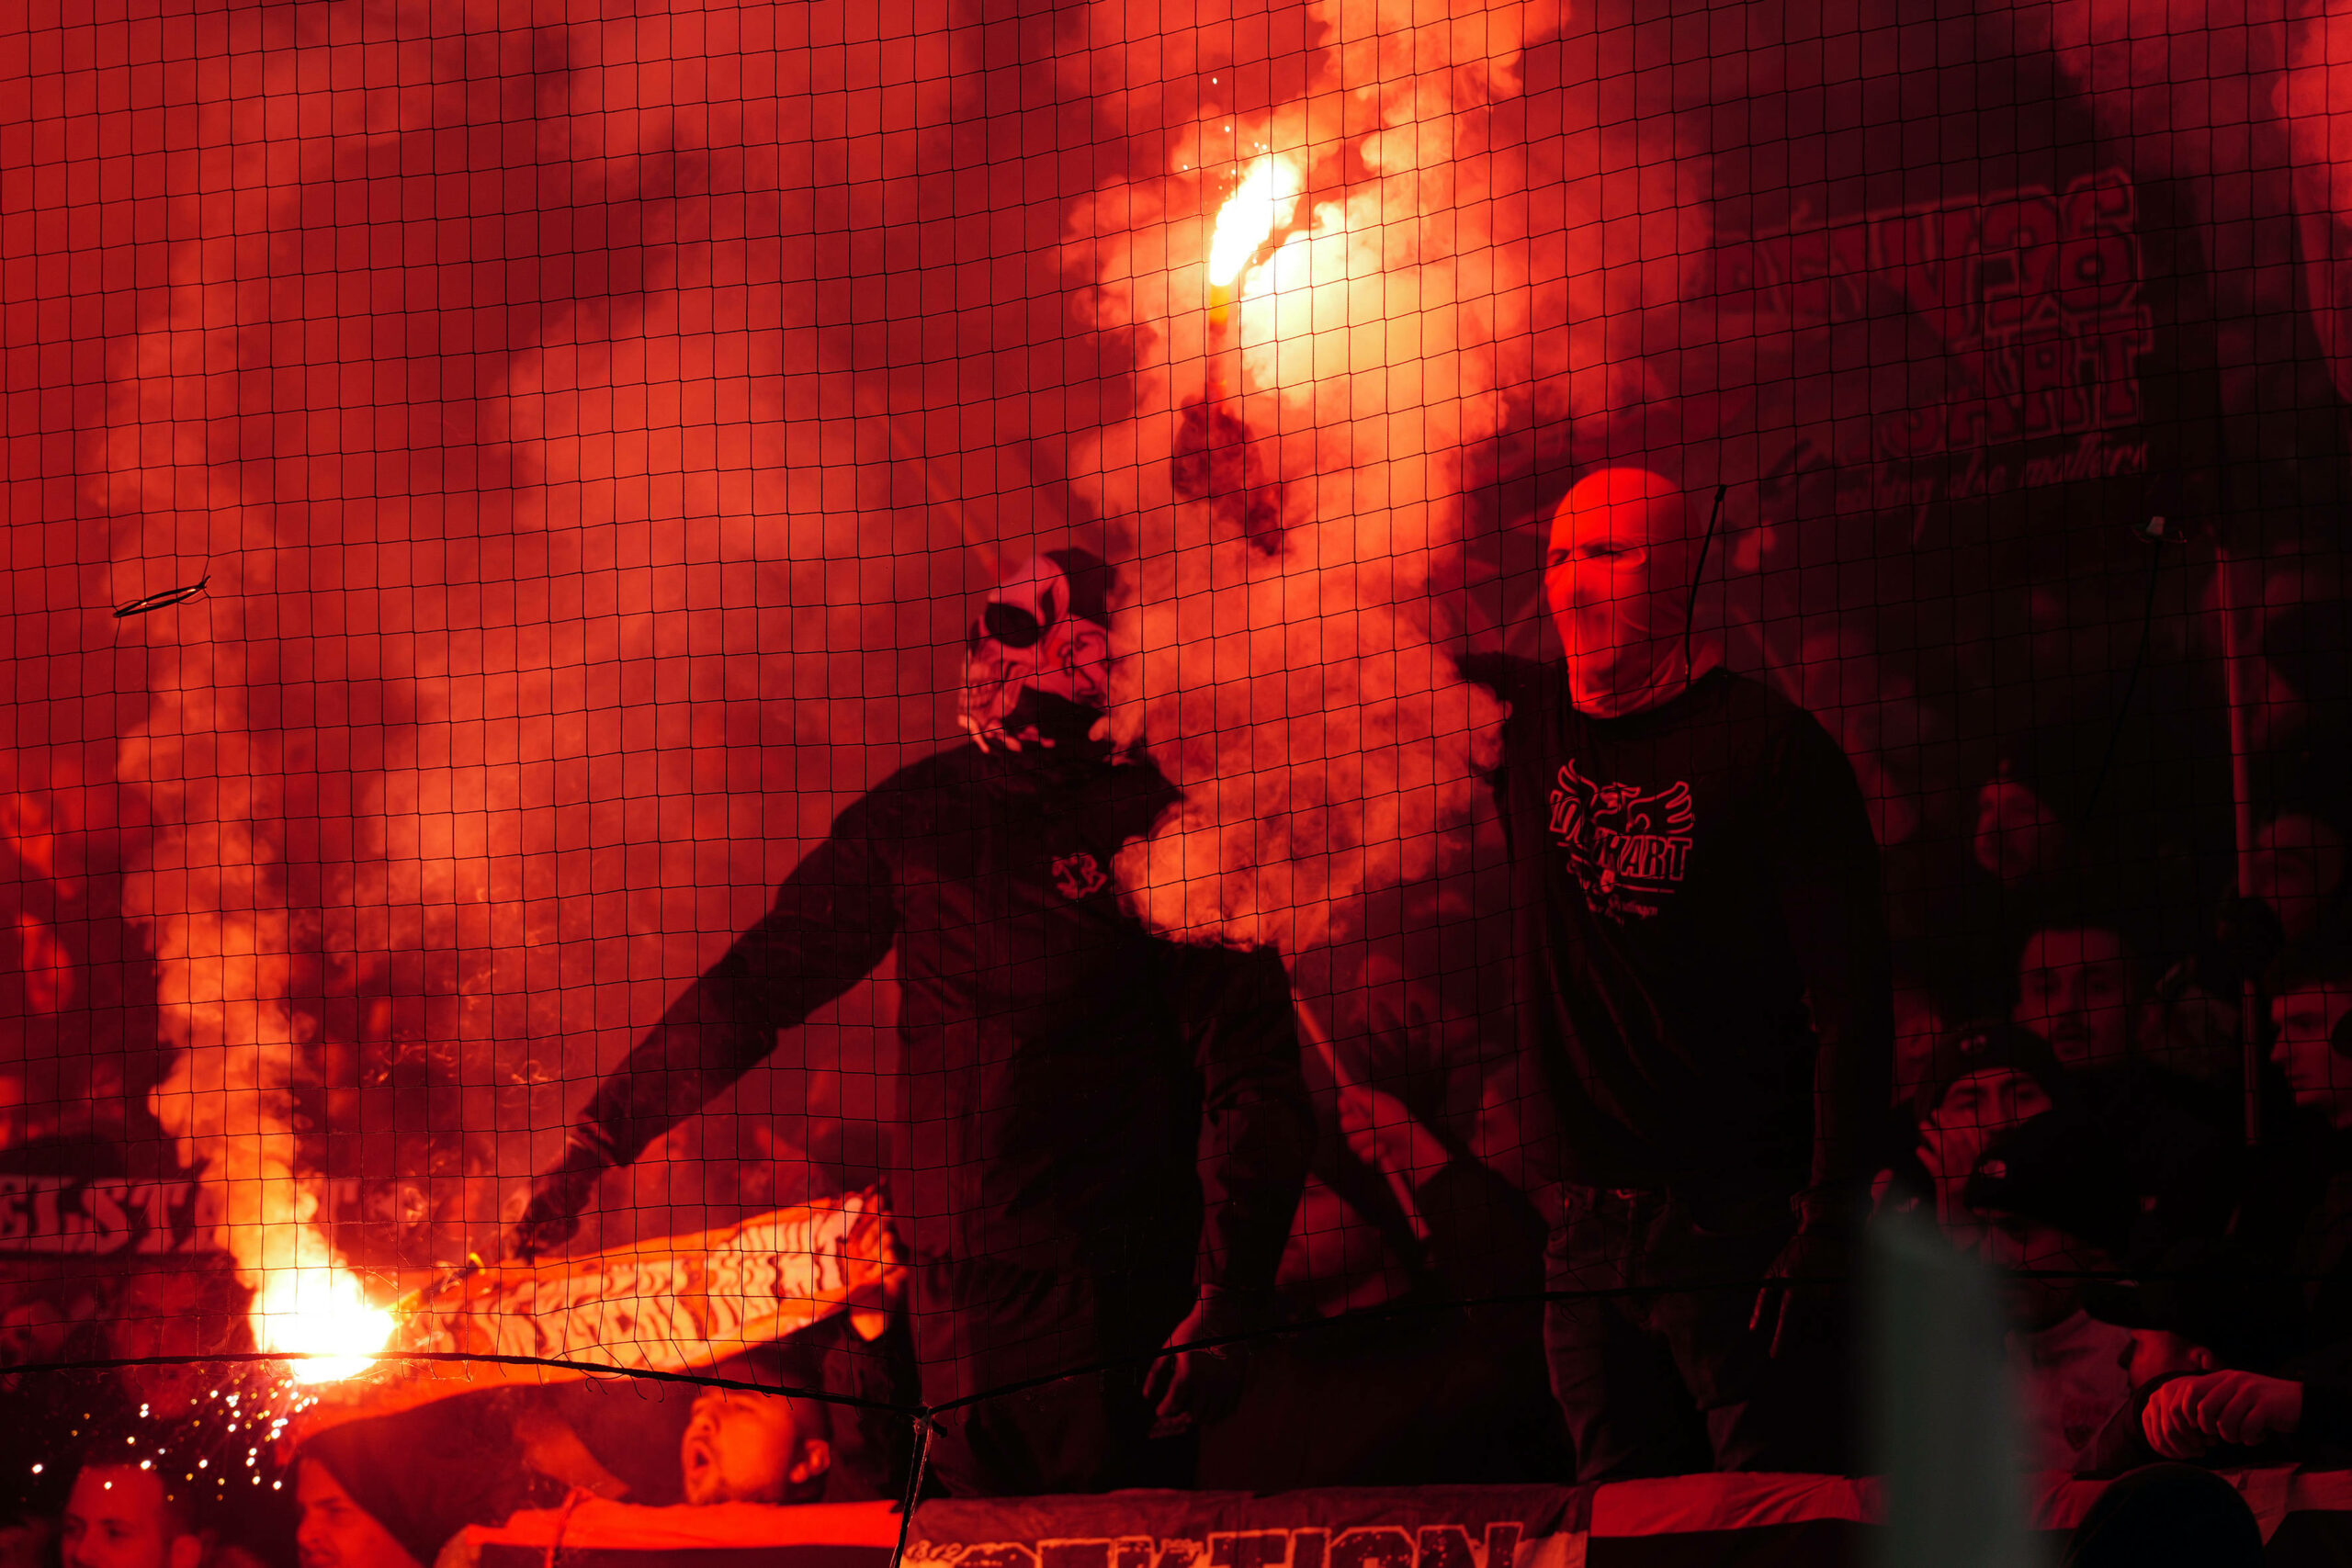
766	759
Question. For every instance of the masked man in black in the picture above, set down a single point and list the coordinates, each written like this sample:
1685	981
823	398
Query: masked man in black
1706	1008
1104	1134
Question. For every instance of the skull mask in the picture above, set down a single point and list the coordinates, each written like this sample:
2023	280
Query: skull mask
1039	656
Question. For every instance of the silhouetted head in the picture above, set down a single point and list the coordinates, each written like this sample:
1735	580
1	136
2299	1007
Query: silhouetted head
2167	1516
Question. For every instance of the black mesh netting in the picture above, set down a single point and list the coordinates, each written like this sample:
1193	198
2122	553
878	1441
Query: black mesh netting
1224	747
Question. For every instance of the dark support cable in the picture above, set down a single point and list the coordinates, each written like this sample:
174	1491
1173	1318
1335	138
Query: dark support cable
2131	684
1690	601
914	1486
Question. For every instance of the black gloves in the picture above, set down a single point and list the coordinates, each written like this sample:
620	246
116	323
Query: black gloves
553	1214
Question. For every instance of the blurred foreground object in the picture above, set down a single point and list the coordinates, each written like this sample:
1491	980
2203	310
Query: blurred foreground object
1945	1428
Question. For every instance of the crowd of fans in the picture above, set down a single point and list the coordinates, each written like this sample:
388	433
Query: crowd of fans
2175	1290
417	1489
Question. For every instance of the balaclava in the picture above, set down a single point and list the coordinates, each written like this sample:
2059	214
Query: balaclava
1038	671
1618	579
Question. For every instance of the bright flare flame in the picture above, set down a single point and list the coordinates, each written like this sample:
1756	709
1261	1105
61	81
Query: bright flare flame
322	1313
1263	204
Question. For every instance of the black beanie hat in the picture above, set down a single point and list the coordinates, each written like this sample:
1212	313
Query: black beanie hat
1984	1048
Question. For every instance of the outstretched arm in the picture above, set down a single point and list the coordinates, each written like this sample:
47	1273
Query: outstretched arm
834	919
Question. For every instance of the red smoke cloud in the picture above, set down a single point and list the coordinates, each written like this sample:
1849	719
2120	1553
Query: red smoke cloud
590	430
522	384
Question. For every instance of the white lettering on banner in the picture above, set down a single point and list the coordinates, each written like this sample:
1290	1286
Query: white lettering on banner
1492	1545
679	1305
84	1217
683	1302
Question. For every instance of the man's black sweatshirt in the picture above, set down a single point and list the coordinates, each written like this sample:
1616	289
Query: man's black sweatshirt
1704	982
1079	1096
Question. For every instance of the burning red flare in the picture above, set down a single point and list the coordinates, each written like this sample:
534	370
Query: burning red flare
1265	202
322	1314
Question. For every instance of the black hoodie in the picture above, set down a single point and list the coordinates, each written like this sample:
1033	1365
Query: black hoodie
1705	980
1079	1096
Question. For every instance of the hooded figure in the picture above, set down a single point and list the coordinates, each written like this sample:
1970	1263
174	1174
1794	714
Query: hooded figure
1102	1136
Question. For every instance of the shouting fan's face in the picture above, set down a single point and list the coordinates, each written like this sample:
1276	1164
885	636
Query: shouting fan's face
1039	670
747	1448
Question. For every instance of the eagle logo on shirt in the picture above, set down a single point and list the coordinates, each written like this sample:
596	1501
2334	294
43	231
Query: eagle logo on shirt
1629	847
1079	876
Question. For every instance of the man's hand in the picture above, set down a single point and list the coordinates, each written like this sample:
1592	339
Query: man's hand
1188	1387
552	1216
2188	1415
1799	1298
873	1238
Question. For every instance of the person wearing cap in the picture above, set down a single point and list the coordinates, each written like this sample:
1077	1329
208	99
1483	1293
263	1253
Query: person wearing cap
1982	1080
1104	1135
2062	1200
1705	991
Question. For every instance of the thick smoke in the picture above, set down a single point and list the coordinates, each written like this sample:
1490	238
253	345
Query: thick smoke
561	579
1296	471
210	895
587	425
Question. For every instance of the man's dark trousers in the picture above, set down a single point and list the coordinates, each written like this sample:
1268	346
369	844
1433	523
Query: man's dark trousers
1653	1359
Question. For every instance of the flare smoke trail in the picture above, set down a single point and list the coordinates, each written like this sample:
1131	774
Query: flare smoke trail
561	585
1287	665
211	896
